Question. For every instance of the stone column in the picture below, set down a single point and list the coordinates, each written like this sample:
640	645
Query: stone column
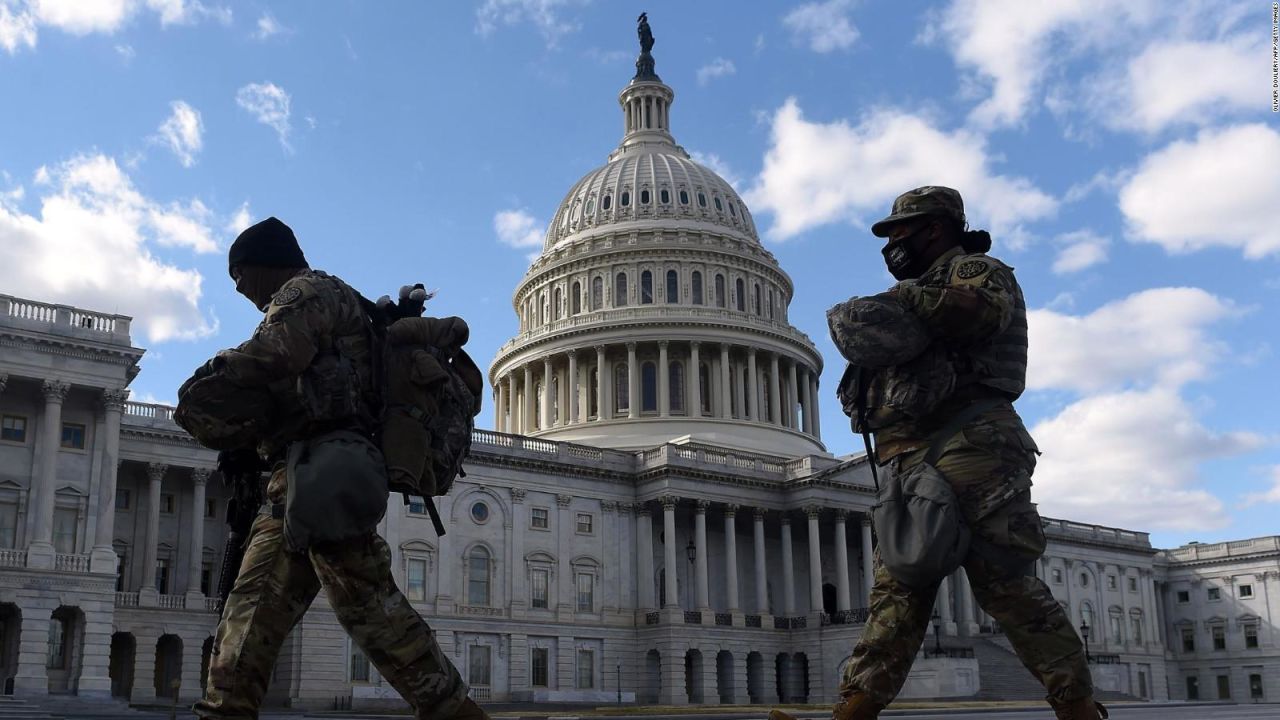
726	406
103	557
775	391
500	407
806	402
731	556
669	550
31	676
813	512
752	407
602	376
199	478
700	542
868	567
788	570
664	380
527	424
762	586
644	548
843	599
964	605
817	416
40	554
792	397
574	387
694	375
548	405
633	383
944	607
155	474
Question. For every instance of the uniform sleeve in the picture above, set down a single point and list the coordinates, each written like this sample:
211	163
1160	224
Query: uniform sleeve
285	342
977	301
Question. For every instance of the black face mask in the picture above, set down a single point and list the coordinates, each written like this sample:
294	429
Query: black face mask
902	257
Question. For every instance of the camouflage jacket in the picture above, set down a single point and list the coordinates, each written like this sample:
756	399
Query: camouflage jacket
974	309
313	353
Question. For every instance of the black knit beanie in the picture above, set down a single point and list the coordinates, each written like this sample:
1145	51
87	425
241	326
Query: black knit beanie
269	243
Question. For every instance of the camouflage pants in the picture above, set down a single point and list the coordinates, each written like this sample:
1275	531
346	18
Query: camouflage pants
273	591
979	461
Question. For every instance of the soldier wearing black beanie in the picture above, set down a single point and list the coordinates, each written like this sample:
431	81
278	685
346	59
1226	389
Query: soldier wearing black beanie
269	243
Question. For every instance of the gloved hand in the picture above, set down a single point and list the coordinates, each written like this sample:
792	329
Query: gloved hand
210	366
239	462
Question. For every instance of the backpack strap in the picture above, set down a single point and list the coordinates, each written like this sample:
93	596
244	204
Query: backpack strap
862	423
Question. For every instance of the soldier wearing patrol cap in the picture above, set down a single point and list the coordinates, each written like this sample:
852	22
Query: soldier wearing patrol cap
972	308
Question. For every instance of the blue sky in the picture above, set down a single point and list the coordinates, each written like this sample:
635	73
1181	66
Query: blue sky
1125	156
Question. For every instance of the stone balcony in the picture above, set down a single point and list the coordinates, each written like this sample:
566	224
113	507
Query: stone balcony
64	320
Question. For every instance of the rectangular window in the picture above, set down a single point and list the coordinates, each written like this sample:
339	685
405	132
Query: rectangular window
211	507
1135	628
8	525
1214	594
167	503
1056	575
586	669
13	428
478	579
57	644
359	667
1193	688
1255	687
586	592
539	658
1219	637
584	523
1224	687
162	576
417	506
1133	584
123	499
1116	629
540	519
206	578
64	530
1188	640
120	563
1111	582
1251	636
1246	591
416	580
478	670
1184	596
538	581
73	436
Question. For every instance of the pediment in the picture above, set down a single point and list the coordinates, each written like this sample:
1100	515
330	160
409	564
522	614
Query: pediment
71	490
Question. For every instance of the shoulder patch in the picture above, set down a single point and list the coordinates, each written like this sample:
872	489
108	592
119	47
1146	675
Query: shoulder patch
287	295
970	269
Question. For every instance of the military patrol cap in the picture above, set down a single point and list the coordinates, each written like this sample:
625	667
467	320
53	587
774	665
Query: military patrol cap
927	200
269	243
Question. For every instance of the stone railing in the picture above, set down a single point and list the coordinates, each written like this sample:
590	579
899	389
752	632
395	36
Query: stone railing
153	411
126	599
692	617
1097	659
480	694
652	618
481	611
173	602
724	619
553	449
752	621
1097	533
1225	549
71	563
211	604
11	557
62	315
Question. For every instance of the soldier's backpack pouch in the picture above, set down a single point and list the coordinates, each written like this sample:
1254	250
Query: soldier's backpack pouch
337	489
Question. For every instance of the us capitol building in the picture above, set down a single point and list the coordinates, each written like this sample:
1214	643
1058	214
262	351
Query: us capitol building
653	518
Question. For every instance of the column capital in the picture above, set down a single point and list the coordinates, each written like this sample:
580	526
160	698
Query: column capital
841	515
564	500
669	502
631	347
114	398
156	471
663	343
601	348
866	520
54	390
200	475
731	510
751	351
812	511
785	518
608	506
572	352
517	495
694	344
641	508
702	505
625	508
758	512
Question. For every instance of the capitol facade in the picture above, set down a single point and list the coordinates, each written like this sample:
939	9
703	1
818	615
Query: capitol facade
653	518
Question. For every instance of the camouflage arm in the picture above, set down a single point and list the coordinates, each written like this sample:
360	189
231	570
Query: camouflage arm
286	340
964	310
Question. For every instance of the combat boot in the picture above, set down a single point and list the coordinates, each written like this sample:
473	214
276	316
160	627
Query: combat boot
857	706
1085	708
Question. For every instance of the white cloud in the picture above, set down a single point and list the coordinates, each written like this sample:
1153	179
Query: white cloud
1079	250
93	245
715	164
268	26
519	229
544	15
823	26
719	67
818	173
81	18
239	220
20	20
182	132
17	28
1218	190
1131	459
1272	494
269	105
188	12
1158	336
126	52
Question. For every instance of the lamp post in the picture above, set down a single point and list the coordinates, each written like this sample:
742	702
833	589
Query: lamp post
1084	633
937	632
691	552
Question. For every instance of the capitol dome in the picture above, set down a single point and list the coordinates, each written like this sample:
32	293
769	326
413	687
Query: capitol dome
654	314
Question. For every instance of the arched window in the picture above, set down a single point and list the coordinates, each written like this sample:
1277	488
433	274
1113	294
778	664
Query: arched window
646	288
597	292
557	304
766	404
542	308
733	210
648	387
695	280
771	302
759	311
719	290
644	197
554	400
742	294
606	202
675	394
673	287
1086	615
575	304
1116	626
537	405
594	393
478	577
684	197
620	290
704	387
576	214
1135	625
625	199
591	205
664	197
621	388
719	206
702	200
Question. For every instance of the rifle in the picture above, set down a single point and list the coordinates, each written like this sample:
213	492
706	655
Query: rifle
242	477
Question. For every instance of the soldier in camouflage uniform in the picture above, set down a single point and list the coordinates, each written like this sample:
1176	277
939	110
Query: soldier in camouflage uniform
972	307
307	314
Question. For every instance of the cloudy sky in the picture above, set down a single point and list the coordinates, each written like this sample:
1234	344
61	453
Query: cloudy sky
1124	154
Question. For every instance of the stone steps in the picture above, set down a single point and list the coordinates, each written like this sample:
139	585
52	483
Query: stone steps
1003	676
61	707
